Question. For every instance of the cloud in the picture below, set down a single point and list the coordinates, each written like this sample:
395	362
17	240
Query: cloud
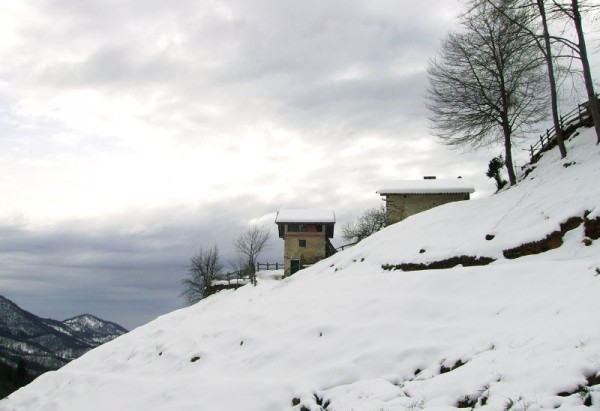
116	260
134	132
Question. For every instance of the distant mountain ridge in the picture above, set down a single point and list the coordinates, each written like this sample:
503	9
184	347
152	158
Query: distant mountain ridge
95	329
46	344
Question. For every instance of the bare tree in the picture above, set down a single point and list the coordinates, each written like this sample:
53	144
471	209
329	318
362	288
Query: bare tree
205	267
488	83
543	42
250	244
546	11
369	222
572	10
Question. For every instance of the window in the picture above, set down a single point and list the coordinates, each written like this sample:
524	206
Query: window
313	228
302	243
305	228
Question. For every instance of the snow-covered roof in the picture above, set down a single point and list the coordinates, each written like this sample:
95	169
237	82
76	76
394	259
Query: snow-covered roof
305	215
425	186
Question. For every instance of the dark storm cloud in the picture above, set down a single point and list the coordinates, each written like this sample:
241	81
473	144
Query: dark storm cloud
105	268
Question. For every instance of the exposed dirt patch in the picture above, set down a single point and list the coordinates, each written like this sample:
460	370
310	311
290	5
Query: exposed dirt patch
527	172
465	260
444	369
571	224
592	228
552	241
466	402
593	379
317	400
583	390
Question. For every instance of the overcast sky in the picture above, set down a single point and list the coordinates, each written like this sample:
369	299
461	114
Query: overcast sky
133	132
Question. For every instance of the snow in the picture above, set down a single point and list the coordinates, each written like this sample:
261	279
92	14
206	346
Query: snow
305	215
426	186
270	274
232	281
350	335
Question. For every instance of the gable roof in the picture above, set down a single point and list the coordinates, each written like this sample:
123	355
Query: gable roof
426	186
305	215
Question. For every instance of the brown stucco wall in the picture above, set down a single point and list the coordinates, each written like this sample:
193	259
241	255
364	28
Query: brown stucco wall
314	251
400	206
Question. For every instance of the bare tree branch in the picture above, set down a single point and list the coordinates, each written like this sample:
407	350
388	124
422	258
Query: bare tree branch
205	267
250	244
370	221
487	85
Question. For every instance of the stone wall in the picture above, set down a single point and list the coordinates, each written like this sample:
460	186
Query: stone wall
315	250
400	206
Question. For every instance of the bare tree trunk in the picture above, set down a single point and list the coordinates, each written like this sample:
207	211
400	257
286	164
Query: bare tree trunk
552	80
587	74
508	155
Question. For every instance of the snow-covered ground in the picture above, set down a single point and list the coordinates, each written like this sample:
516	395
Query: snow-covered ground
347	334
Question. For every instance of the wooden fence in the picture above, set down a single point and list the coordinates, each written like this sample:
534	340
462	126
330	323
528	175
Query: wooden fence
568	123
269	266
343	247
231	280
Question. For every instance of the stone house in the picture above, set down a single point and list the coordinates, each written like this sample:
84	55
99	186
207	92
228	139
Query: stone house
306	234
407	197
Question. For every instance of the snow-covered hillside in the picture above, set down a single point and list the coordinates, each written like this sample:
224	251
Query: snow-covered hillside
355	332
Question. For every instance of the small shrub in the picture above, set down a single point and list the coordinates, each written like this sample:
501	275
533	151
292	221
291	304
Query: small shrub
466	402
508	404
494	169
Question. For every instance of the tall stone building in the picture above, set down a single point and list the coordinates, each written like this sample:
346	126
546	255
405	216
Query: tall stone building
306	234
407	197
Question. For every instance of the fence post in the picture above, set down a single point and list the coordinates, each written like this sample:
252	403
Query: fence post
531	149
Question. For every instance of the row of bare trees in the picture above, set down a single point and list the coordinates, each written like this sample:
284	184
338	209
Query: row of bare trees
495	77
206	265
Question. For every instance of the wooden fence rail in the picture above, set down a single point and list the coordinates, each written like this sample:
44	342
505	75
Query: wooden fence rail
236	279
568	123
343	247
268	266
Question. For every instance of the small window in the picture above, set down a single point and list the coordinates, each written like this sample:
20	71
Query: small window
302	243
293	228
